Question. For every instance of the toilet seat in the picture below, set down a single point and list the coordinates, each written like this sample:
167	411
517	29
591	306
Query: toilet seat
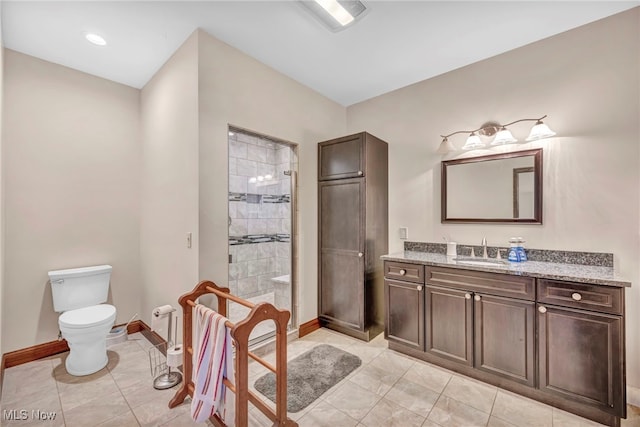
87	317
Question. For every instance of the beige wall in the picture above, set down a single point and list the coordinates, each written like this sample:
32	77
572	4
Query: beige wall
236	89
169	208
587	81
71	158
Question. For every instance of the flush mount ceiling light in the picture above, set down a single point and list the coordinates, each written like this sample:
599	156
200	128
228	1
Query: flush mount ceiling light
95	39
502	135
335	14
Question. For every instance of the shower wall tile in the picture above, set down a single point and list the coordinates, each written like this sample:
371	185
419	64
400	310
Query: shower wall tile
247	168
273	226
238	149
238	227
282	155
237	184
266	250
266	169
248	286
246	252
249	139
256	153
271	157
233	166
284	210
265	284
258	267
285	226
239	270
257	226
283	266
285	186
233	209
233	286
282	249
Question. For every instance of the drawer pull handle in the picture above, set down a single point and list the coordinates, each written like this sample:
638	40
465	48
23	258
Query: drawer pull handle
419	288
467	296
403	272
359	173
542	309
576	296
477	298
360	254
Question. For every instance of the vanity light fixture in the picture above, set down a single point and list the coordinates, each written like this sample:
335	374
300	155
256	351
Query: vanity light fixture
335	14
502	135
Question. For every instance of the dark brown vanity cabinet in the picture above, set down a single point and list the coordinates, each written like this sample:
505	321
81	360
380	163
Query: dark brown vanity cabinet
581	352
482	320
561	343
352	233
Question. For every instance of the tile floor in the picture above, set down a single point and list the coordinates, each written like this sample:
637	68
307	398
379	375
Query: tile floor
389	389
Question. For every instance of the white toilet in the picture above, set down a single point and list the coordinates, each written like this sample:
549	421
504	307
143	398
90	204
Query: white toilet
84	322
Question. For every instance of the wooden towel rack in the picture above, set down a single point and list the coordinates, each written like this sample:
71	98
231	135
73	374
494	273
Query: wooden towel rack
240	334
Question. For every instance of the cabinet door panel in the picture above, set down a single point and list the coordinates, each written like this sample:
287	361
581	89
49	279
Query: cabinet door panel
504	337
341	215
341	290
341	158
405	313
581	356
449	324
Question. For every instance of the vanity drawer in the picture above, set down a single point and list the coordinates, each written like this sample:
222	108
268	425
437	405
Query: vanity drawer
605	299
404	271
498	284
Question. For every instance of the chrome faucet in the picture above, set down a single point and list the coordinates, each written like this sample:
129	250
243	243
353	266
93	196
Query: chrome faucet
484	248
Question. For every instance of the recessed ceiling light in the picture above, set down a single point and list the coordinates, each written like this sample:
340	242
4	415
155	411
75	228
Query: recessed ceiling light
95	39
335	14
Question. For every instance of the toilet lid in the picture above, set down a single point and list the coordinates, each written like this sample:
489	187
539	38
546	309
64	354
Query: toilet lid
87	316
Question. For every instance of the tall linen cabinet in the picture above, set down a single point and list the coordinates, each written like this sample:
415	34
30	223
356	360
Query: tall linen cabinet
352	233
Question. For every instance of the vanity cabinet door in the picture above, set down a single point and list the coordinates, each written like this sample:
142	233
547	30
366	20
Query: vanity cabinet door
504	337
404	313
581	357
449	324
341	158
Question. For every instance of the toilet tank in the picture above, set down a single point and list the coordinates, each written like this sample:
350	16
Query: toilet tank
79	287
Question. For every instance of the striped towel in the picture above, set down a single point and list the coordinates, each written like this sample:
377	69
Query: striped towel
213	361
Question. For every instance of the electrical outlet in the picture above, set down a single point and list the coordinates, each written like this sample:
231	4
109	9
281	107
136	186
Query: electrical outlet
403	233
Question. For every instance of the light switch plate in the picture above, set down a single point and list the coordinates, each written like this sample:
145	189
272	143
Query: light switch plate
403	233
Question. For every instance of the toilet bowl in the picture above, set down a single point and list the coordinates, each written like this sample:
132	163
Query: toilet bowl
85	330
79	294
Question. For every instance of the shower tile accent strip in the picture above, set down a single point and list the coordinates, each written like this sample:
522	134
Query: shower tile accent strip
258	238
541	255
258	198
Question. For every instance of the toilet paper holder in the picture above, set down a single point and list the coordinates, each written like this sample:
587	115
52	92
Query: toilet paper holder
164	378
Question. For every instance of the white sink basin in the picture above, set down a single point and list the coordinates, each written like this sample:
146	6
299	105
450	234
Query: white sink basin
482	262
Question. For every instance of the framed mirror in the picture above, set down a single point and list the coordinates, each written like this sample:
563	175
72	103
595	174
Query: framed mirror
498	188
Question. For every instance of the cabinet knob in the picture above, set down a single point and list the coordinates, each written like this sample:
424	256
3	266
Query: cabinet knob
477	298
576	296
403	272
359	173
360	254
419	288
467	296
542	309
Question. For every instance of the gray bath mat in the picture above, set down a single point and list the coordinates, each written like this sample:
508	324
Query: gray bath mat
309	375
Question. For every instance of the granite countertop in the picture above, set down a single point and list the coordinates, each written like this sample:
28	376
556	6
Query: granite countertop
599	275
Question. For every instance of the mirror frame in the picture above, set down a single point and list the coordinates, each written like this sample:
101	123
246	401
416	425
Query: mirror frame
537	208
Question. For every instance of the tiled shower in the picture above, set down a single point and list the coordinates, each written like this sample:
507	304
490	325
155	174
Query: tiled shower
260	222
